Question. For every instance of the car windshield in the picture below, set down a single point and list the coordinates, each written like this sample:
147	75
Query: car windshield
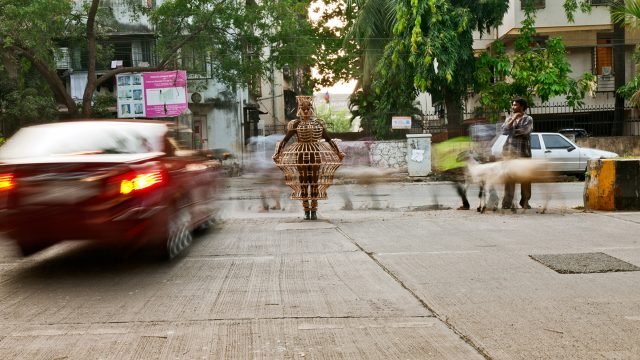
84	138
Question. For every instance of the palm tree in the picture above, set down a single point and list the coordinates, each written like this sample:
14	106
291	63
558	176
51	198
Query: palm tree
627	13
371	30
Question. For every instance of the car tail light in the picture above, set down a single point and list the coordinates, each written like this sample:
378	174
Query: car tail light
136	181
7	182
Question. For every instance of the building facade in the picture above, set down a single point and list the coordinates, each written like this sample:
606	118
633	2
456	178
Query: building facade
590	43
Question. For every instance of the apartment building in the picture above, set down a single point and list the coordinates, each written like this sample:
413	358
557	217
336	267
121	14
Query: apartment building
589	43
219	116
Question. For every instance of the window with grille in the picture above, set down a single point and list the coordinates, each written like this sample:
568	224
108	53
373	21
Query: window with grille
194	61
537	4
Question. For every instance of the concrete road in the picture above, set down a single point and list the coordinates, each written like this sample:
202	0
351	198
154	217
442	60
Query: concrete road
402	282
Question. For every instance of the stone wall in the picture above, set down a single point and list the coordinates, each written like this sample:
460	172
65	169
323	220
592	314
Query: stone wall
389	154
621	145
393	153
381	154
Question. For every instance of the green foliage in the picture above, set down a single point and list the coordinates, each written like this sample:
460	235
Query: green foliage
572	6
631	91
24	99
244	40
104	106
25	107
627	12
535	70
34	24
429	49
337	121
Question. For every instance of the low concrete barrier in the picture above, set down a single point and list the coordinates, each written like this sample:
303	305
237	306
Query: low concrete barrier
612	184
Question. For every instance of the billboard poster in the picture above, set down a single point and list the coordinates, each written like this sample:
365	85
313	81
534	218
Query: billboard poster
152	94
165	93
130	96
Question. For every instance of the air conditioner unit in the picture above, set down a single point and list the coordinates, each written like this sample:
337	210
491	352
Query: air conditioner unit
606	70
196	98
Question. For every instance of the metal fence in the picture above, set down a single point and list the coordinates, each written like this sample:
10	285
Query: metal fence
597	120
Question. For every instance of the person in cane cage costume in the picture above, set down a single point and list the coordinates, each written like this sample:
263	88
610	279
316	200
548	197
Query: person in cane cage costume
309	164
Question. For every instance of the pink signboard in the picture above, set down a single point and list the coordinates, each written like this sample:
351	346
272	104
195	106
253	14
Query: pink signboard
165	93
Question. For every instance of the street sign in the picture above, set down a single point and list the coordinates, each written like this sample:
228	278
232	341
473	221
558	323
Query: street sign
401	122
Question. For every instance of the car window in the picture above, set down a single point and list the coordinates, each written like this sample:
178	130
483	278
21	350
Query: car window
535	142
555	142
84	138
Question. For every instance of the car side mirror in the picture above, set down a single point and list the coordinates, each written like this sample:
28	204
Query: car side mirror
571	148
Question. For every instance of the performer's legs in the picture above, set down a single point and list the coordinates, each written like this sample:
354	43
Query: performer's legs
314	178
304	179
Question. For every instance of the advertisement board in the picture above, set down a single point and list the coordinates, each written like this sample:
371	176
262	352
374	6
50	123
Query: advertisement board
152	94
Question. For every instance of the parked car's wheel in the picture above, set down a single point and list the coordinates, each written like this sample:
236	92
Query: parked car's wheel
179	235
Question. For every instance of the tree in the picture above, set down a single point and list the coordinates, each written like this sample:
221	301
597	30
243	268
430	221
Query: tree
412	35
232	32
432	47
337	121
24	99
628	14
535	70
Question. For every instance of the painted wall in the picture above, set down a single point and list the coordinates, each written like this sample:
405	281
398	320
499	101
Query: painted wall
553	15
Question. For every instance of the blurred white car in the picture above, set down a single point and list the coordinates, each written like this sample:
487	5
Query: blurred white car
564	155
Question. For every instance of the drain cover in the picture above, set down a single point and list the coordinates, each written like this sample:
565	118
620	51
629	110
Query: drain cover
584	263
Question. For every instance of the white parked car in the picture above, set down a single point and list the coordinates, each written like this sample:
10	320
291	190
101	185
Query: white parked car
564	155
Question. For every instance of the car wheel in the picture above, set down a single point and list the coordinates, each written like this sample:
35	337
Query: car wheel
205	226
179	235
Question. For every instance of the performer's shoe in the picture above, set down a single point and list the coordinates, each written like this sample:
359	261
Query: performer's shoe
313	216
307	215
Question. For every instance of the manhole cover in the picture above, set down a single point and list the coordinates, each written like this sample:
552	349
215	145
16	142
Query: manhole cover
584	263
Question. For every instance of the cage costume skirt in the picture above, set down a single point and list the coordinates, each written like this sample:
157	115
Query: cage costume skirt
308	169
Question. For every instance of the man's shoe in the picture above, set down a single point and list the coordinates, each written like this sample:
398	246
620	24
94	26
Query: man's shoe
313	216
307	215
463	207
526	206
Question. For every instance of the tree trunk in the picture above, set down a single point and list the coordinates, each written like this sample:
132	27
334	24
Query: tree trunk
51	77
10	65
453	104
87	97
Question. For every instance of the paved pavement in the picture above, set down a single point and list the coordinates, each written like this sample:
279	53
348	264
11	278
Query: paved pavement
404	281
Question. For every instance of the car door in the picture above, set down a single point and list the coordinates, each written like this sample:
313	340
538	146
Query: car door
536	148
561	153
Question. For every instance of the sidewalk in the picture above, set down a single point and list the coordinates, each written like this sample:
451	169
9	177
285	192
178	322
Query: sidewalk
439	284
